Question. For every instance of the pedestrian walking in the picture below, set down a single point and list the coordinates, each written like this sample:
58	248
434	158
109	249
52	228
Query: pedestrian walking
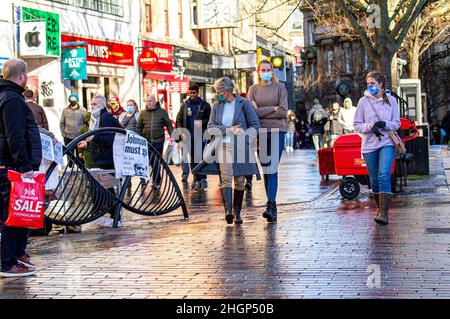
236	121
72	120
334	126
101	146
194	116
317	117
38	111
377	114
269	98
21	151
347	115
151	125
290	133
304	132
128	120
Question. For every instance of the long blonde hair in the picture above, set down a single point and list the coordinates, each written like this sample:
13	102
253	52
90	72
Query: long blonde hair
258	69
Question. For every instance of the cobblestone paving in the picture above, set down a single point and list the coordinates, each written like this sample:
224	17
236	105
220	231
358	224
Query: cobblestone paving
327	248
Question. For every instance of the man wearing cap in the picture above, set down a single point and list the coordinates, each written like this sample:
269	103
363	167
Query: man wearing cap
114	106
72	119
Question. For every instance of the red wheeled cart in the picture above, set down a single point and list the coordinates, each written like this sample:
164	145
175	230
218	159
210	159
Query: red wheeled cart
345	159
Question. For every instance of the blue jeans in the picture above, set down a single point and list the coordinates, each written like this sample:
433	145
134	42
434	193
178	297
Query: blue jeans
289	139
379	164
271	179
14	240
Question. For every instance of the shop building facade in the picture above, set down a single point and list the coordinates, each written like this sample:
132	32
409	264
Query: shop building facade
107	32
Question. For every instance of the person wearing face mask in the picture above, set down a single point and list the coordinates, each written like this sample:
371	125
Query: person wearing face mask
101	146
376	115
72	119
233	124
21	151
269	98
128	119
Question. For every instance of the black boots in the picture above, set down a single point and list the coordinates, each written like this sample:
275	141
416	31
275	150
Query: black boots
271	212
237	205
227	197
384	204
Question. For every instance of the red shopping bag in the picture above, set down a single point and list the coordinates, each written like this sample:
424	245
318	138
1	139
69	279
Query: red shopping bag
26	201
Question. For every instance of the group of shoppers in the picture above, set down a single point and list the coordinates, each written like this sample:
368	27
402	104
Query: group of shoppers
237	126
326	126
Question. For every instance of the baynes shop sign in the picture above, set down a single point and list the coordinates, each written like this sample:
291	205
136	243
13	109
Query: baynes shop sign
156	57
105	52
98	51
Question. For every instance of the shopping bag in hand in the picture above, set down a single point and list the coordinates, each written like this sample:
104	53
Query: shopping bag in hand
176	157
26	201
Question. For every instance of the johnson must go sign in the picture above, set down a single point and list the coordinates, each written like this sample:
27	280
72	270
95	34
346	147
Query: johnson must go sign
74	64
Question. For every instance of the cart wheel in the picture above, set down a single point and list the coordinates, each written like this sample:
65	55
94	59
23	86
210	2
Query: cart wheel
349	188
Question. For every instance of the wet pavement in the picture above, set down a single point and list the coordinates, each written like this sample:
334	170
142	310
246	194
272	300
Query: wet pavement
321	246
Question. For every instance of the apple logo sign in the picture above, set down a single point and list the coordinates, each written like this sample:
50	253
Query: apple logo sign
32	38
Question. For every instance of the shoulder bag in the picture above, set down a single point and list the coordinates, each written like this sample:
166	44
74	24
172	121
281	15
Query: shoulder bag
399	145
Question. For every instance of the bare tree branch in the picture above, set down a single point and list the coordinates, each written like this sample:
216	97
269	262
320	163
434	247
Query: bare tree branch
397	10
360	30
357	5
403	25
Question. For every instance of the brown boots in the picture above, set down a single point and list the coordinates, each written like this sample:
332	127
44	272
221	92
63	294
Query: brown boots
383	201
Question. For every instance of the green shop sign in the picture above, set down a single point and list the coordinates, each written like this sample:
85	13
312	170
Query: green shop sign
51	24
74	64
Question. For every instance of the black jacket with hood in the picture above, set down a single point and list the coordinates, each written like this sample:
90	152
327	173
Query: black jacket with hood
20	140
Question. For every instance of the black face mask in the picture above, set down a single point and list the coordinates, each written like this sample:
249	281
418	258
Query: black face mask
73	103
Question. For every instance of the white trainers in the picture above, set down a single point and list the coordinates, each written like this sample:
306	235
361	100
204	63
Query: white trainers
107	222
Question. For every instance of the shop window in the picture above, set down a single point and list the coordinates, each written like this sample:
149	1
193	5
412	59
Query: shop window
180	17
148	16
91	80
166	15
114	7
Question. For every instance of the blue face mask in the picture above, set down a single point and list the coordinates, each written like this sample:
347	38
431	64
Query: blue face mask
266	77
130	109
221	98
373	89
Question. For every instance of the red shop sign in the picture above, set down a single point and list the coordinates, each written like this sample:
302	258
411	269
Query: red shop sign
148	60
181	87
106	52
163	54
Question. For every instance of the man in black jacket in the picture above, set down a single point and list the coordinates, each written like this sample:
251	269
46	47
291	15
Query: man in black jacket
101	146
20	150
194	116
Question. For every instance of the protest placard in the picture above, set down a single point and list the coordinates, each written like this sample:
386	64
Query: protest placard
131	155
47	147
58	152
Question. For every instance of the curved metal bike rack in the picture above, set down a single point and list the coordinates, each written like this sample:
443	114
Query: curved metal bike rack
80	198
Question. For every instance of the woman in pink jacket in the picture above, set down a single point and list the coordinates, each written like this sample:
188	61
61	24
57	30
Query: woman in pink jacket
377	114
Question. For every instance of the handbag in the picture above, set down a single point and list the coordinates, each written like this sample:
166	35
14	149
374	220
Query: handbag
399	145
26	201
